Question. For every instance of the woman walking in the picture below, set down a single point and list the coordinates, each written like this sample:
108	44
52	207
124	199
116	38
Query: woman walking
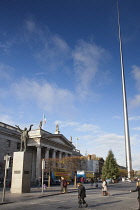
104	188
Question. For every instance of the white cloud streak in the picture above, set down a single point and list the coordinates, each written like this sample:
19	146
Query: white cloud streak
6	71
135	102
79	126
86	62
56	54
49	96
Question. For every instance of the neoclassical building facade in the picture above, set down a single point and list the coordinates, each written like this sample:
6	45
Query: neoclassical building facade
41	144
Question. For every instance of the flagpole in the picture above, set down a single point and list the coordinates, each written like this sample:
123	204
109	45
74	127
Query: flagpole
126	124
76	143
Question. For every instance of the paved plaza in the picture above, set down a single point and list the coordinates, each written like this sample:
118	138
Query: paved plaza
120	198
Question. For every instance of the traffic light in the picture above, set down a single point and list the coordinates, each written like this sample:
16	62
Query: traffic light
45	164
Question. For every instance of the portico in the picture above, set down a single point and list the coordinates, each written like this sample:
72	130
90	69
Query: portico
43	144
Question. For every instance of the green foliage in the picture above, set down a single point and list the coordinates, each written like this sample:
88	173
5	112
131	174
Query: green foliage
110	168
75	163
123	173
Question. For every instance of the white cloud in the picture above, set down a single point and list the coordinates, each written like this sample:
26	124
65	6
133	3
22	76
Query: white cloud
6	71
5	47
135	161
30	26
67	123
49	49
136	75
79	126
136	128
135	102
6	119
102	143
55	53
117	117
87	57
135	118
88	128
49	96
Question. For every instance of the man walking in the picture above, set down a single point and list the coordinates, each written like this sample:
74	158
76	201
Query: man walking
137	190
81	195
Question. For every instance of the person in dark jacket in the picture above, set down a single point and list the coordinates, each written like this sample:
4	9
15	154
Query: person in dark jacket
63	184
81	195
137	190
92	181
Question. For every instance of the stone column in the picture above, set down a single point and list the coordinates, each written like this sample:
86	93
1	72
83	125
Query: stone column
54	153
66	154
54	157
33	178
60	157
38	162
47	152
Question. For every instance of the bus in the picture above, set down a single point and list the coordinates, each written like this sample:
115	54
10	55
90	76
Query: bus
87	175
56	176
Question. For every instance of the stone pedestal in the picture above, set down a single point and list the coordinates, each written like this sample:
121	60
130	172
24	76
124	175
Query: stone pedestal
21	172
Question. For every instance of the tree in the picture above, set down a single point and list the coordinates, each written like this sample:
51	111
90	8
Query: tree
110	168
50	166
123	173
74	164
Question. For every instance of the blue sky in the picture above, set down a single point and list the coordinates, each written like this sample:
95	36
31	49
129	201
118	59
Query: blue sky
61	58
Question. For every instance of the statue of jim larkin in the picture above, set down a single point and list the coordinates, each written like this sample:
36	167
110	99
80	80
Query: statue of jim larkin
24	137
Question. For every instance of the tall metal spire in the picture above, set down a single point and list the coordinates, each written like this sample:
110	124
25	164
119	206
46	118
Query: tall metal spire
126	125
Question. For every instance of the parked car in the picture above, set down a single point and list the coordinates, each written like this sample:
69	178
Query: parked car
128	180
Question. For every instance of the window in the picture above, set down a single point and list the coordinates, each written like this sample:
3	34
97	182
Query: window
8	143
18	145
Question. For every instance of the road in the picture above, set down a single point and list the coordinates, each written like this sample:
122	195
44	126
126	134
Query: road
120	199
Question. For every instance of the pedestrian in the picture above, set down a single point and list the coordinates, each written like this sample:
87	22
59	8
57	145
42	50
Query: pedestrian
82	180
81	195
92	181
44	186
39	182
63	184
137	189
104	188
96	184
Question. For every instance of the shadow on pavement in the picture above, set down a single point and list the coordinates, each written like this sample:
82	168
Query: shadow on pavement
106	203
120	194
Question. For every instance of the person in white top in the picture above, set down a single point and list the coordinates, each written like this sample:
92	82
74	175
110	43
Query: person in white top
104	188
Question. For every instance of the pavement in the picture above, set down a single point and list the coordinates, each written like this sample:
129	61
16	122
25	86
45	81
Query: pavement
34	193
120	198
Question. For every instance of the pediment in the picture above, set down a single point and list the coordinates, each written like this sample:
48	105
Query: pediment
60	139
47	138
